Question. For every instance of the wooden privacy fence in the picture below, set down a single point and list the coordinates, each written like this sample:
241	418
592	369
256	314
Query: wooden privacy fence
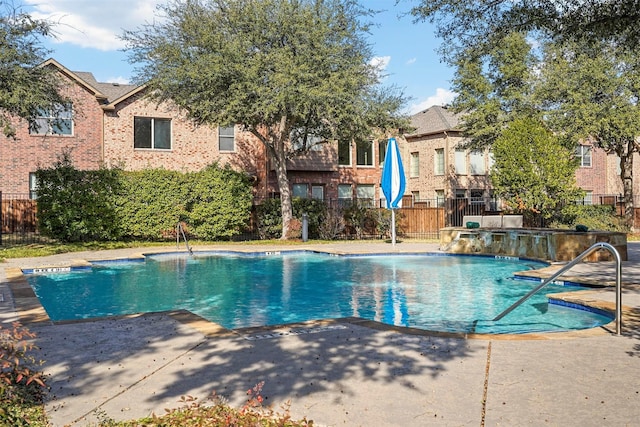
18	222
420	222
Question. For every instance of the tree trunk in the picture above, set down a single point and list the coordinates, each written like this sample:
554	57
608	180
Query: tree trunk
286	207
626	174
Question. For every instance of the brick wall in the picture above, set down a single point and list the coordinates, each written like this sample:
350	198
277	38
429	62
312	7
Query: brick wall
26	153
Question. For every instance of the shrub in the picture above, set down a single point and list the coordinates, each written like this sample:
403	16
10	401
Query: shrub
21	385
194	413
316	211
219	203
361	219
77	206
332	225
269	219
594	217
151	203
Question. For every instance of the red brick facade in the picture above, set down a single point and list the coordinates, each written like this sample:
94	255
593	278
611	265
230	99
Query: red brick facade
26	153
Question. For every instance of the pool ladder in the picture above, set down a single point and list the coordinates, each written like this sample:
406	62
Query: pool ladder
180	232
567	267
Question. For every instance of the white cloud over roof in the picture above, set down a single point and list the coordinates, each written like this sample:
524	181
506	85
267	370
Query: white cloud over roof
441	97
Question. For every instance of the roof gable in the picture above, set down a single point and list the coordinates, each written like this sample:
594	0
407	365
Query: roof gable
434	120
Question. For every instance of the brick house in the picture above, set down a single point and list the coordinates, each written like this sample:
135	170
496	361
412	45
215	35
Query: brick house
112	124
437	168
76	129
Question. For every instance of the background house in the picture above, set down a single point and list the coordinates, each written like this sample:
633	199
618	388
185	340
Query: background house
110	124
438	168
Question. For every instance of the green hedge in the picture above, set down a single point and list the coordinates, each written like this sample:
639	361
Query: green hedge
111	204
77	205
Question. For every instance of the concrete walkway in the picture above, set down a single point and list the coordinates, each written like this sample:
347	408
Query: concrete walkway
346	372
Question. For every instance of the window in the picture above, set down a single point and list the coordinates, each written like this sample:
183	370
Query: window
345	194
477	197
440	198
366	194
317	192
345	191
33	186
226	138
344	153
382	150
57	120
152	133
438	165
461	162
461	194
414	165
300	190
588	198
364	153
476	163
298	142
416	196
583	152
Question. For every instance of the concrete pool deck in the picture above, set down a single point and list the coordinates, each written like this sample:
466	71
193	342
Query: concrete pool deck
341	372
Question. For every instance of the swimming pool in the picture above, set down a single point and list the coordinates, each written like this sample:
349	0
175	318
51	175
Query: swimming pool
439	293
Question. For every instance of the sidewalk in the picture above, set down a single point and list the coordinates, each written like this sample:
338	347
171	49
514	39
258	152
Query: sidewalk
344	372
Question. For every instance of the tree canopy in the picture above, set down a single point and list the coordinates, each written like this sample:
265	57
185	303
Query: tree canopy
279	68
590	93
494	88
25	86
466	23
533	172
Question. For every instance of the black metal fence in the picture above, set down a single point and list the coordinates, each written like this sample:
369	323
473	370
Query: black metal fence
18	219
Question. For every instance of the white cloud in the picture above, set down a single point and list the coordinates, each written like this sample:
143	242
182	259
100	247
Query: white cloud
442	97
411	61
380	62
121	80
93	24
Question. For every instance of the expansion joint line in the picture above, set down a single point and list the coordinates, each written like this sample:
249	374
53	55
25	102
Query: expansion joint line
135	383
486	385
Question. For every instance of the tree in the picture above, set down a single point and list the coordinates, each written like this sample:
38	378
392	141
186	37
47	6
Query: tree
290	72
25	86
533	172
590	92
494	88
480	24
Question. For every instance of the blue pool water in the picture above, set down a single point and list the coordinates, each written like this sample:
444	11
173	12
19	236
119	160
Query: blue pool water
439	293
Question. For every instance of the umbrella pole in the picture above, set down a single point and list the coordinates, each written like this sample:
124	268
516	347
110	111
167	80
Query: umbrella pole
393	227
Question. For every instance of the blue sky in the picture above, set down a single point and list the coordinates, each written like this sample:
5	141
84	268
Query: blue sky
87	40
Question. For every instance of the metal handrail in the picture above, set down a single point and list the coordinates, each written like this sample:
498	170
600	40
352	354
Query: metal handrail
593	248
180	230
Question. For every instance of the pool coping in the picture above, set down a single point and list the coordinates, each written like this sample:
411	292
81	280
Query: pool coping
30	310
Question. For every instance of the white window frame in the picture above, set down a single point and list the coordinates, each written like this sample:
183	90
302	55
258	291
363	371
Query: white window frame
348	151
226	134
440	198
414	165
461	162
585	154
366	192
476	163
438	162
33	186
367	155
152	133
48	119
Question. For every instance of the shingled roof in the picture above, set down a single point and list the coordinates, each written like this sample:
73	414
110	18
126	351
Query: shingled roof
112	91
434	120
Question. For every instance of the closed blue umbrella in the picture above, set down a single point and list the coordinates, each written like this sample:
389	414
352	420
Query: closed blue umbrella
393	182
